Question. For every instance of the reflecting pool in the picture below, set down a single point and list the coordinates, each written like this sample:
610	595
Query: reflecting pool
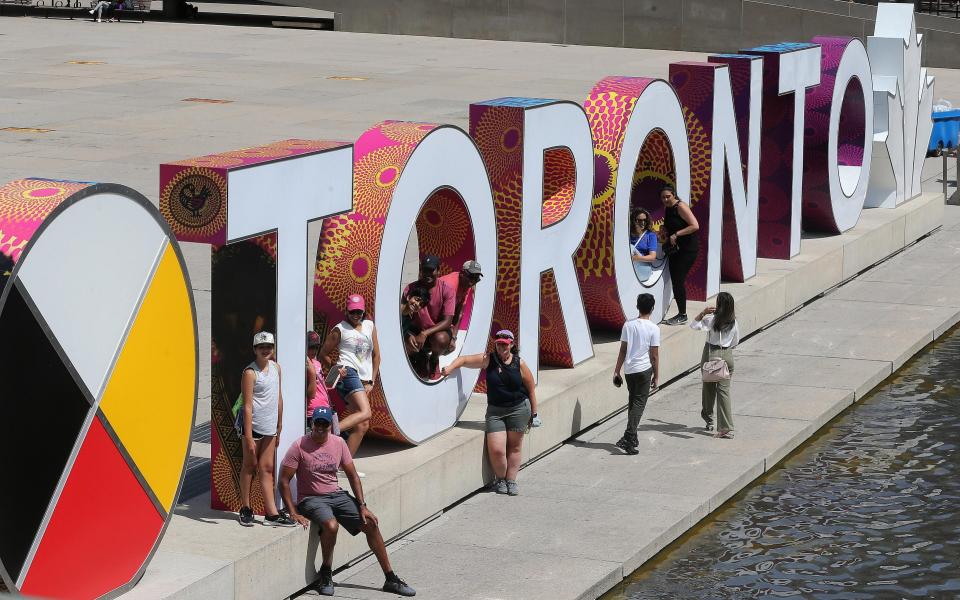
868	509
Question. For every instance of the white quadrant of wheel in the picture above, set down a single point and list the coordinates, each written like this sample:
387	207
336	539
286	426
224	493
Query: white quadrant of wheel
101	288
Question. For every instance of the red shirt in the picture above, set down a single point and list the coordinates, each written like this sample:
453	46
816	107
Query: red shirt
460	299
442	303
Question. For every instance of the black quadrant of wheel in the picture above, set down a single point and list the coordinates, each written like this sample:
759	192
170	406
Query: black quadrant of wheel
37	382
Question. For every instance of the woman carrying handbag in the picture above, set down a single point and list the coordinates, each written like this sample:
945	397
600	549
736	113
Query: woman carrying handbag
716	366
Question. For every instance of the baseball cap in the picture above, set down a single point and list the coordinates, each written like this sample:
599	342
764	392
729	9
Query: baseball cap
504	336
355	302
322	413
263	337
313	339
430	262
472	267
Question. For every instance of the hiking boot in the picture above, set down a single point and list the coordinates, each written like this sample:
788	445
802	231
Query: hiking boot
279	520
246	516
679	319
395	585
499	485
324	585
512	488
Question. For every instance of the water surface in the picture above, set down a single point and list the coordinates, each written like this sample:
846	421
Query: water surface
869	509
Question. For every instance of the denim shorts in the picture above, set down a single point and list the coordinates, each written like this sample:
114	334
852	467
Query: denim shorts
349	384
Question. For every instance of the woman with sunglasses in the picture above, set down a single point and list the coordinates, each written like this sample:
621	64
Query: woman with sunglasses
262	421
643	243
511	406
358	359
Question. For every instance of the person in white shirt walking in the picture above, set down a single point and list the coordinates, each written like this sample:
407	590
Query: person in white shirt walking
640	360
723	334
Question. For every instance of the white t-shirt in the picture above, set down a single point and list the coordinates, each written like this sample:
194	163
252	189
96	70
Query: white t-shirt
727	339
640	335
356	348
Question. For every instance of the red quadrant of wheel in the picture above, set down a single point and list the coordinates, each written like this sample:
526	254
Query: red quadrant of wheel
102	529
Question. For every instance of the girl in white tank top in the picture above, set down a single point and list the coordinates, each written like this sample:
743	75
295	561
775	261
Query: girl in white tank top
355	339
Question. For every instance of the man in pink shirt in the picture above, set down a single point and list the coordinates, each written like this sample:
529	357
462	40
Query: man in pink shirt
430	328
462	283
314	459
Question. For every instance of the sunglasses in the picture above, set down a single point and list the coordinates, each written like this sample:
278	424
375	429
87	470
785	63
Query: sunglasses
474	276
321	423
356	312
264	347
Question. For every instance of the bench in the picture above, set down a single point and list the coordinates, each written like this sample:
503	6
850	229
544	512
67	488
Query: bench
141	7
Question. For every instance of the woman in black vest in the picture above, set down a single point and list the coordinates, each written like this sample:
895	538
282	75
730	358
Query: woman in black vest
511	406
682	245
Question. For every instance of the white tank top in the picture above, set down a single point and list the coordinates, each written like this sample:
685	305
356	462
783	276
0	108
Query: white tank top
266	398
356	348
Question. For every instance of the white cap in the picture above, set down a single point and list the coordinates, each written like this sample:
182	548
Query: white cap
264	337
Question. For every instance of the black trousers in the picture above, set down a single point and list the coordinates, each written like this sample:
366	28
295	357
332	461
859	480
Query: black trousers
638	389
680	264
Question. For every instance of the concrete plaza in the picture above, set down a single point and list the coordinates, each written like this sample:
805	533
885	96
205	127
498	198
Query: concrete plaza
107	102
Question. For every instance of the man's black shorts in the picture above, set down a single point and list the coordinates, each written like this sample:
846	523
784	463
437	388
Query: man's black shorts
337	505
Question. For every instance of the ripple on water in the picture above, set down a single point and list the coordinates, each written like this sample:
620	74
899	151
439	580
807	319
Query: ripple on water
869	510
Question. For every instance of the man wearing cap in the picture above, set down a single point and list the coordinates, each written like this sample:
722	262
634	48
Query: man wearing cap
314	459
462	282
430	328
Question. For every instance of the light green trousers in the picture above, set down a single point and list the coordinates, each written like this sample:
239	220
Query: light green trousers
718	393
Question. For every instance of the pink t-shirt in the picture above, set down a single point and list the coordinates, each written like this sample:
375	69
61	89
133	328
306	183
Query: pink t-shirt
443	301
453	280
317	464
321	398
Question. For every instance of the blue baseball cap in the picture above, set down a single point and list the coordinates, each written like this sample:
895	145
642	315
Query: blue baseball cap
322	413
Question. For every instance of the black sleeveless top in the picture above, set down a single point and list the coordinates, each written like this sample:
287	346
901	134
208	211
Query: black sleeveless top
673	222
504	383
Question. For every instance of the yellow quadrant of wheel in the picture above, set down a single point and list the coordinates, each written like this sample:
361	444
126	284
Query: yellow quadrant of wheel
156	369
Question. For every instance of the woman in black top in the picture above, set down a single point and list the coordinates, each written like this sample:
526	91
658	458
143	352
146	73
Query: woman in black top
511	406
681	230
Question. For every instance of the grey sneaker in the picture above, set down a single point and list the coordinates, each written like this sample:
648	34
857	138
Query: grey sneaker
512	488
246	517
324	585
499	486
679	319
398	586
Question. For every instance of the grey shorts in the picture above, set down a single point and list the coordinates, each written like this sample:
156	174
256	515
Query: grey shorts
511	418
339	505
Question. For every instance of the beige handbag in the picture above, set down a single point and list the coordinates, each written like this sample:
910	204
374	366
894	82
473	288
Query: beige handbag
714	370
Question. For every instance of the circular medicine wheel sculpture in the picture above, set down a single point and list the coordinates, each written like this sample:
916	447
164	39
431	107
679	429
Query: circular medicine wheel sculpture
98	386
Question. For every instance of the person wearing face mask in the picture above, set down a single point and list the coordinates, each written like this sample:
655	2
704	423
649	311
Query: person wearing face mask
262	418
511	406
682	246
358	358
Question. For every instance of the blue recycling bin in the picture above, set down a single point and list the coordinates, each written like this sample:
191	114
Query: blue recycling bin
946	130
